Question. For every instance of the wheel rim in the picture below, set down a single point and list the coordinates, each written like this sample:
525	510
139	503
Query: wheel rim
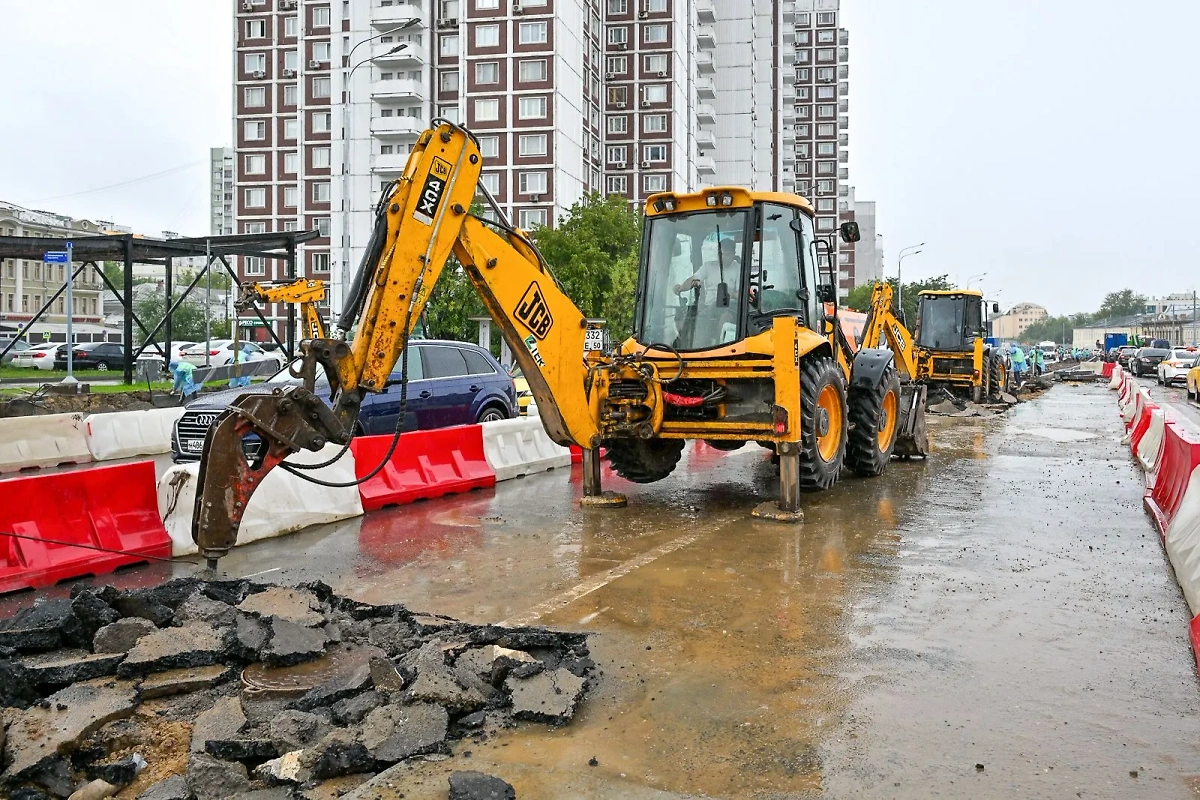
887	421
491	415
828	405
102	367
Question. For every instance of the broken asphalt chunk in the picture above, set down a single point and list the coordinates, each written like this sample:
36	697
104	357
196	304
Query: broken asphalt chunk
195	645
549	696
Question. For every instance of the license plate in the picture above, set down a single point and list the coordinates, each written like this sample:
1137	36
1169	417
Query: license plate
193	445
593	340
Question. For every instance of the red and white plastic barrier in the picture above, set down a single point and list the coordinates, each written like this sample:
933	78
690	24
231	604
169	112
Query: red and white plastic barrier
125	434
284	503
1115	379
424	464
518	447
42	441
1148	448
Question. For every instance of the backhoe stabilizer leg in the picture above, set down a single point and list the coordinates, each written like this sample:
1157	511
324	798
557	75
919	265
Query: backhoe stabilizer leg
593	497
787	507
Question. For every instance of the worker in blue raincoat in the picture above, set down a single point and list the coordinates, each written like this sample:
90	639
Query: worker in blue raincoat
242	356
182	371
1018	361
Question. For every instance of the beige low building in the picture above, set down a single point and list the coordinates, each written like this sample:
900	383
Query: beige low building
1013	322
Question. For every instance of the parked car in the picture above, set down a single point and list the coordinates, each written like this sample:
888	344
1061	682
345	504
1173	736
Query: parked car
1124	352
93	355
1174	368
40	356
450	383
12	353
1193	381
1146	359
219	352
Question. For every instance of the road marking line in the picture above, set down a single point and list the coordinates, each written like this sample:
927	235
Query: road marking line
599	581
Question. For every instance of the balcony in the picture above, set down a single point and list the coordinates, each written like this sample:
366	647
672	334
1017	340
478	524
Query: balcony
706	37
787	55
789	133
706	114
705	64
789	13
392	162
409	55
705	165
788	33
398	90
706	11
706	89
706	139
397	126
395	15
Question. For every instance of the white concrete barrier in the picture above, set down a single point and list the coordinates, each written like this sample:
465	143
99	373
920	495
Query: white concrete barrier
125	434
42	441
1182	540
284	503
516	447
1150	447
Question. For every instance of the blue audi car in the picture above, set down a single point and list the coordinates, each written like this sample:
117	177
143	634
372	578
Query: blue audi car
450	383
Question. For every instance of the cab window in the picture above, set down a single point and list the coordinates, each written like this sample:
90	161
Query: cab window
775	269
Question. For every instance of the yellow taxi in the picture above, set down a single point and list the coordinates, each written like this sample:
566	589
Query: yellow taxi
1193	382
524	396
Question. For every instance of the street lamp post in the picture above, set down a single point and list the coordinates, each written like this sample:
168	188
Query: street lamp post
348	74
904	253
978	277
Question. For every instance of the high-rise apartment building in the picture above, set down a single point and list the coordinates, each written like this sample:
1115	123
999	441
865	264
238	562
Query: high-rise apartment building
221	191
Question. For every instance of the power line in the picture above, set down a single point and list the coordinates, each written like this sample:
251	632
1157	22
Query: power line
130	182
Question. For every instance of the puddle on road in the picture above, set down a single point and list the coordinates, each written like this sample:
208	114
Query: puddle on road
1061	435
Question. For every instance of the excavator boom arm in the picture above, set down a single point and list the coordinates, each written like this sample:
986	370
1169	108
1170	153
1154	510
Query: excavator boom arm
883	324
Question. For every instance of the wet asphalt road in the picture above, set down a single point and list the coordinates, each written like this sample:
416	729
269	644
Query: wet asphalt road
998	621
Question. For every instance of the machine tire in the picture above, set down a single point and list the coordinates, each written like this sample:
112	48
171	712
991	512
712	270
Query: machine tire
644	460
998	377
874	424
821	454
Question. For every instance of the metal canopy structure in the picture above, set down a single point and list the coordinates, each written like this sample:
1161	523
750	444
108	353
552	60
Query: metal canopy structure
130	249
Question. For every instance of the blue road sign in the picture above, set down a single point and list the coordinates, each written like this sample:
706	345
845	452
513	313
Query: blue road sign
57	257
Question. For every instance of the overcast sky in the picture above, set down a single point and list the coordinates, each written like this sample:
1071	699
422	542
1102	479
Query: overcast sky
1049	143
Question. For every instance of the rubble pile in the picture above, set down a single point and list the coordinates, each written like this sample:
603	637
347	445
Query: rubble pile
222	689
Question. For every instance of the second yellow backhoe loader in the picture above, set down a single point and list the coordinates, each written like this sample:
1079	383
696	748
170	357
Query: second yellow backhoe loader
304	292
735	340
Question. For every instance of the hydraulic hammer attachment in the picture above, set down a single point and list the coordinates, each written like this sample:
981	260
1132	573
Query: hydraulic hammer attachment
281	423
912	439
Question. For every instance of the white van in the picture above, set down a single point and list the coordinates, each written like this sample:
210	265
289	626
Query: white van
1049	350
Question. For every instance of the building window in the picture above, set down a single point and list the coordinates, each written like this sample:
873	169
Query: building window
256	198
533	144
290	27
532	108
490	181
487	72
826	167
487	110
321	121
254	228
489	146
826	149
291	197
291	163
255	62
533	183
617	154
824	223
291	225
487	5
256	164
449	9
321	157
654	152
825	54
321	17
825	18
656	6
617	184
255	130
291	129
826	93
654	183
386	149
320	51
289	94
256	96
532	218
802	38
654	123
654	34
320	261
320	87
618	96
825	204
256	265
320	193
448	81
826	37
618	124
802	150
256	29
826	130
533	70
656	64
618	6
655	93
617	65
618	35
801	92
448	45
487	35
323	226
291	60
826	112
532	32
449	113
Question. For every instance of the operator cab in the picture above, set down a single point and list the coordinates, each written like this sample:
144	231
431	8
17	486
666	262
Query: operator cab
949	320
718	266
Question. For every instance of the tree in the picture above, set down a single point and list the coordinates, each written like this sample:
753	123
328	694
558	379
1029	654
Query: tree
187	323
1121	304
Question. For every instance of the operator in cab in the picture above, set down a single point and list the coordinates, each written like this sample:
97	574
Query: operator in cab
725	268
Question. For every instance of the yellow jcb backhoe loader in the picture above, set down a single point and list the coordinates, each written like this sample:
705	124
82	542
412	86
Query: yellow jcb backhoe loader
732	343
951	351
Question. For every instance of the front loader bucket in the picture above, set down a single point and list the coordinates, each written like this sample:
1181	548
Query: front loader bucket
912	439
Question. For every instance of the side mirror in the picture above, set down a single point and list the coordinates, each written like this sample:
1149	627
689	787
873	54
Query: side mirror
995	308
825	293
850	232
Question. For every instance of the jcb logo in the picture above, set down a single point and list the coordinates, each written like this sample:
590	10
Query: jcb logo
533	311
431	193
899	338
